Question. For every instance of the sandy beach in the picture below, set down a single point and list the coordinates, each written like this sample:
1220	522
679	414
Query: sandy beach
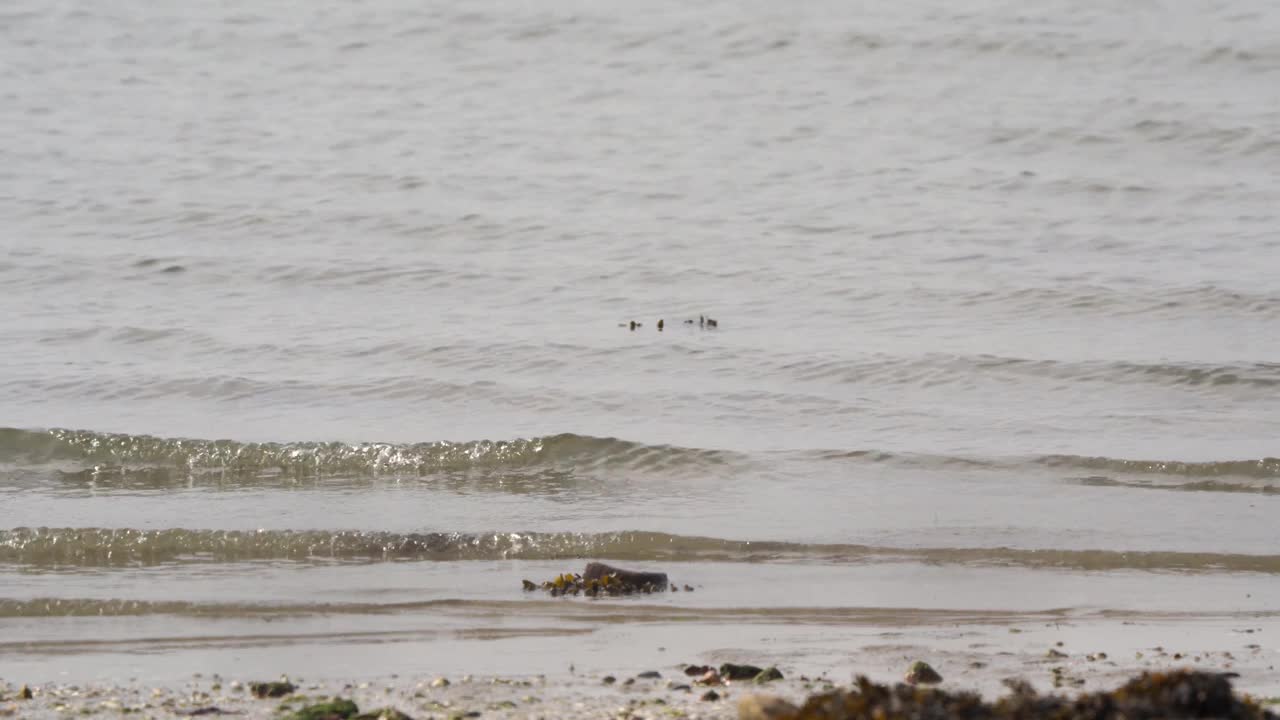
610	670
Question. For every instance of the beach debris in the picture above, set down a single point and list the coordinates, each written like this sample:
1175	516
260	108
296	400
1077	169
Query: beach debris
25	693
600	579
629	681
649	675
383	714
1018	686
769	674
688	588
1062	679
1178	694
696	670
1055	654
335	709
202	711
921	673
765	707
710	677
277	689
635	578
733	671
609	680
710	696
440	682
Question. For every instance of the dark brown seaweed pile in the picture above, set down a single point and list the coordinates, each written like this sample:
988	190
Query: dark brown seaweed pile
575	584
600	579
1176	694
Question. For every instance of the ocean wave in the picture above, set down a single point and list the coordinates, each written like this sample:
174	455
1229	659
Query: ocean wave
1194	486
1247	142
123	460
126	547
529	607
1263	468
111	454
945	369
1267	468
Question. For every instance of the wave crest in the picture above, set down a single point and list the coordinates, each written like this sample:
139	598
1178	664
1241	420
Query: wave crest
103	547
107	451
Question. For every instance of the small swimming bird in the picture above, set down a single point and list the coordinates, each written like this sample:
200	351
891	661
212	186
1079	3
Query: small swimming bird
633	324
712	323
659	326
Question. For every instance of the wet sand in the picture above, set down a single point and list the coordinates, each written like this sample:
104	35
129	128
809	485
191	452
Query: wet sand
565	676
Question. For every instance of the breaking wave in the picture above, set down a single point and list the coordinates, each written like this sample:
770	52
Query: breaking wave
108	453
104	547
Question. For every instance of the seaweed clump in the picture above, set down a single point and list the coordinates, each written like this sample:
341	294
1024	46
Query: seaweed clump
600	579
575	584
1176	694
277	689
335	709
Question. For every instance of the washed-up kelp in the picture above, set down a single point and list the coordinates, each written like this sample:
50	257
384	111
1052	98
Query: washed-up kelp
600	579
1177	694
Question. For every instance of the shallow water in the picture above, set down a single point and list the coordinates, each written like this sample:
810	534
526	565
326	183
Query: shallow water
995	291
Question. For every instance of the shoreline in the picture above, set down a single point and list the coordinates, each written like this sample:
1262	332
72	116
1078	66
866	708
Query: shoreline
564	676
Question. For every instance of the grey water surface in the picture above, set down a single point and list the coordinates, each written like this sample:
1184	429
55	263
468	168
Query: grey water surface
314	308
